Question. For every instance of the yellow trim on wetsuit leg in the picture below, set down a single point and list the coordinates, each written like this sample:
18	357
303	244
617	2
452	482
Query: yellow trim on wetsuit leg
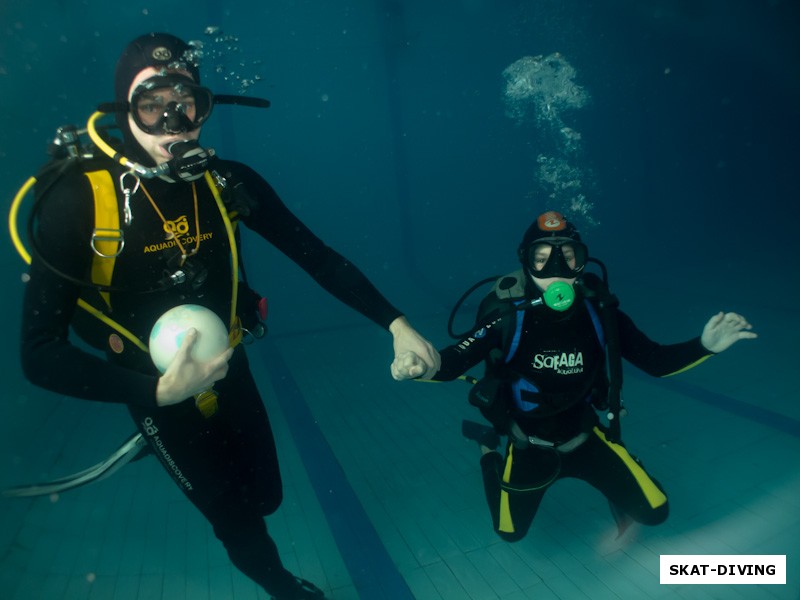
655	497
505	522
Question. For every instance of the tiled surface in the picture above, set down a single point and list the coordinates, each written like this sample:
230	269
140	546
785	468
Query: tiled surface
734	488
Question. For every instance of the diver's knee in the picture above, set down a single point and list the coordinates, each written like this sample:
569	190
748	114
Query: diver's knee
236	528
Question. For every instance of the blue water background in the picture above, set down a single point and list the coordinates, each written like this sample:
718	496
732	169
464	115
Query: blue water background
388	132
388	136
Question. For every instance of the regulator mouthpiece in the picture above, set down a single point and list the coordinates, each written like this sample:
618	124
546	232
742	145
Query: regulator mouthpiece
189	160
559	296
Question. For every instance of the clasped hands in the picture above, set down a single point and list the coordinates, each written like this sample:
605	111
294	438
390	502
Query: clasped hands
414	356
408	365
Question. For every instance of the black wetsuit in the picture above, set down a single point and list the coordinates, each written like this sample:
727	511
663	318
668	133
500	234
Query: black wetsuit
227	464
549	383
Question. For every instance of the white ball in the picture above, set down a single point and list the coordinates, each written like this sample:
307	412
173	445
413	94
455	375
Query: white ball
169	331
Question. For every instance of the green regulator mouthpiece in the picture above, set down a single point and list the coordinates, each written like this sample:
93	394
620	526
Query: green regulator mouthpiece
559	296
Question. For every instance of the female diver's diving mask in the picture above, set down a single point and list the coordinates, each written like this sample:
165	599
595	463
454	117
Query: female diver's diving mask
170	104
556	257
566	258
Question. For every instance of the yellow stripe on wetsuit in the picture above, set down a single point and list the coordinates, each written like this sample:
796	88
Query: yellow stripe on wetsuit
687	367
655	497
506	523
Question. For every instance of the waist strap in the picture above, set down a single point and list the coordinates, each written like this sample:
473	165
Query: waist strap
522	441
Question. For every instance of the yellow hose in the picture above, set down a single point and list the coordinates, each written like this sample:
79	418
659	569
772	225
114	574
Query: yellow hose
12	219
107	149
101	143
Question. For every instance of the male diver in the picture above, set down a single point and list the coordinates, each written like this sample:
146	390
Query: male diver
151	226
546	333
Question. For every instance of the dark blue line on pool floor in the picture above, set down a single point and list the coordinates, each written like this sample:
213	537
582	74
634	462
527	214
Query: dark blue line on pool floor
373	572
743	409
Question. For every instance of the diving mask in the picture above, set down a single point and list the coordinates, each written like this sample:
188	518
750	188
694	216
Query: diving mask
170	104
555	257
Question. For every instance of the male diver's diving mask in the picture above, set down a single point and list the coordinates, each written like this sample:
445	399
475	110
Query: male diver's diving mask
170	104
167	104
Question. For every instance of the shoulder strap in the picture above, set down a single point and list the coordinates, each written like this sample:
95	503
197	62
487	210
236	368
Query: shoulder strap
108	242
594	287
107	237
506	295
596	321
512	333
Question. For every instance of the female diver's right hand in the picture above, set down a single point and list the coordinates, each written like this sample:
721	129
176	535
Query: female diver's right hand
186	377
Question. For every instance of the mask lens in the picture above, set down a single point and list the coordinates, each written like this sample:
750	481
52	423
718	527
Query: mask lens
557	258
149	110
170	105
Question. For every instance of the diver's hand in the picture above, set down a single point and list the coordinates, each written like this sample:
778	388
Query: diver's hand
407	366
186	377
406	339
725	329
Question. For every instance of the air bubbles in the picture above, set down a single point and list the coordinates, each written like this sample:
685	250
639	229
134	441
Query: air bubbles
542	87
221	51
542	91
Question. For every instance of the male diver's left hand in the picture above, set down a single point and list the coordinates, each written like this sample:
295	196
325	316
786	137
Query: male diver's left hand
406	339
725	329
407	365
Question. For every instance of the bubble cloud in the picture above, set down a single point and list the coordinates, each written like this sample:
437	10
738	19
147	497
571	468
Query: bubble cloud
541	91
